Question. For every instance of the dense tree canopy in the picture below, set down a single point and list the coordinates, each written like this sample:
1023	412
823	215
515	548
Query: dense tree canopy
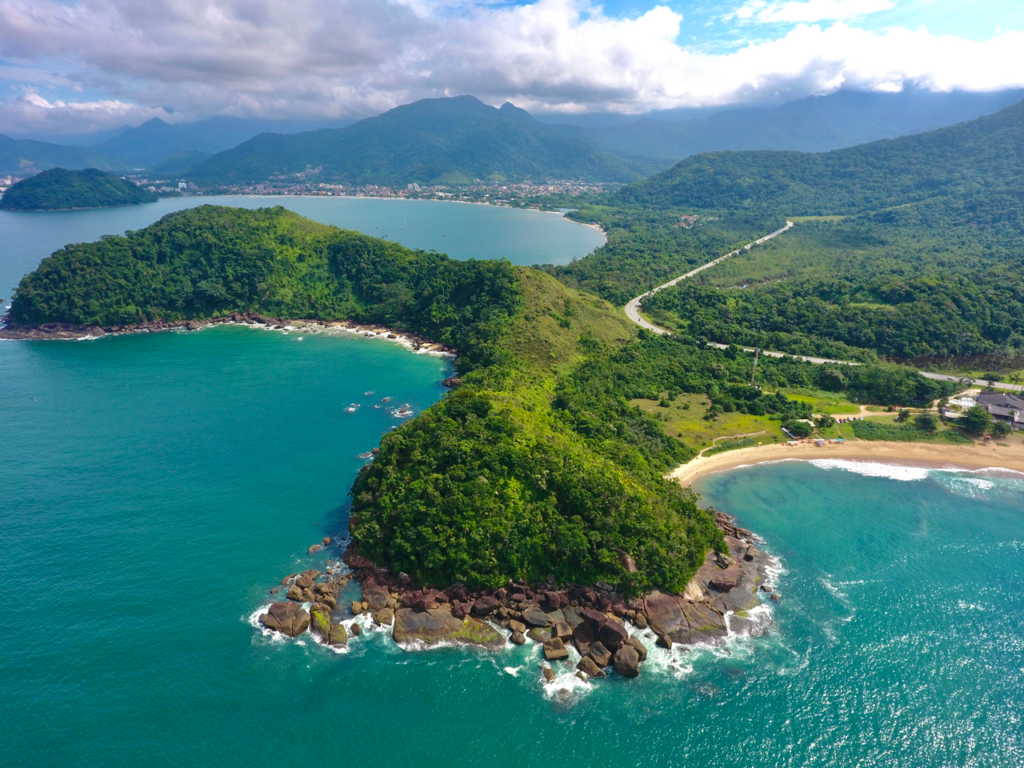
59	189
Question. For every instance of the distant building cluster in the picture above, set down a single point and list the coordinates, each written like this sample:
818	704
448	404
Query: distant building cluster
496	193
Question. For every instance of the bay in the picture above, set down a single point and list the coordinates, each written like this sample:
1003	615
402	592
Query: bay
462	230
154	487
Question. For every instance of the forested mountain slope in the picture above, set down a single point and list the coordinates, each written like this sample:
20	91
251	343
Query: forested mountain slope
980	159
913	248
433	141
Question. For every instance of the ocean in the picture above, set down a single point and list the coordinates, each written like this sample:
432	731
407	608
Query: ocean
154	487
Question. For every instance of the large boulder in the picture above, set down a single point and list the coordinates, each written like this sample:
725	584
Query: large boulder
555	649
572	617
601	655
375	598
286	618
705	623
639	647
561	629
304	582
613	635
438	625
589	667
539	634
295	593
664	613
320	624
384	617
594	619
583	638
535	617
626	661
484	606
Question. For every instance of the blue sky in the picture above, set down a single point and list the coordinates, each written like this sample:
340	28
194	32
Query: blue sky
80	65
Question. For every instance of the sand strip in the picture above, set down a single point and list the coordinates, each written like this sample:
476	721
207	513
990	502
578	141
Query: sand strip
930	455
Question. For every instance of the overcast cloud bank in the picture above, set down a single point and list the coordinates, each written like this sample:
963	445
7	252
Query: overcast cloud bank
93	64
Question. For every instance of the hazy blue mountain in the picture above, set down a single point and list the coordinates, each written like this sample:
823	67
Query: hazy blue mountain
974	170
152	142
177	166
25	156
432	141
815	124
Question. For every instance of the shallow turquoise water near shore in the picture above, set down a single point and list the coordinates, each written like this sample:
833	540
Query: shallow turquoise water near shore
461	230
155	486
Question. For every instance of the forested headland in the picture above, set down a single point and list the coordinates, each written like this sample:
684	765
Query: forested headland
58	189
537	465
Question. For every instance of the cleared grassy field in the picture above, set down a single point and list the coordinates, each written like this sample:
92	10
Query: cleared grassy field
688	424
823	402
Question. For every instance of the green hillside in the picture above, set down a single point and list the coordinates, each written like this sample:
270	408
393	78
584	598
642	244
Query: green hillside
433	141
537	464
909	248
60	189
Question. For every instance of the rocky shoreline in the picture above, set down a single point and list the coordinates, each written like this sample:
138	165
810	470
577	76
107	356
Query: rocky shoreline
595	622
66	331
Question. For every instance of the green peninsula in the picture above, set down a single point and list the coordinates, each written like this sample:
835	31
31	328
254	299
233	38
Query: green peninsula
538	464
59	189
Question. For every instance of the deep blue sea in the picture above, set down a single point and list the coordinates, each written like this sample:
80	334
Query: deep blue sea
154	487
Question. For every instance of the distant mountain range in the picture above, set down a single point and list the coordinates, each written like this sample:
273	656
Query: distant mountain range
460	139
432	141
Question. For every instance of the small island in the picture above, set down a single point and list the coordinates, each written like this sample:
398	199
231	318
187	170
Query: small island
59	189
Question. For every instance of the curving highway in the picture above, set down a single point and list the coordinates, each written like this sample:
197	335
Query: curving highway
633	313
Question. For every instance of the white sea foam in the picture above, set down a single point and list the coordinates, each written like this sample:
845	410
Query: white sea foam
514	671
874	469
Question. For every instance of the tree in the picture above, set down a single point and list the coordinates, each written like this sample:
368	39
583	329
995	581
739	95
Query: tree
903	415
799	428
1001	429
926	422
825	421
976	420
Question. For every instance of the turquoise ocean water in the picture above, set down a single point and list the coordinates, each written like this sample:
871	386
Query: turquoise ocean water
154	487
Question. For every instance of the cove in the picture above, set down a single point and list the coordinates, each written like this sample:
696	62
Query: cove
155	486
462	230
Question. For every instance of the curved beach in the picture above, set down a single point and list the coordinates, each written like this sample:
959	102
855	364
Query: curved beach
931	455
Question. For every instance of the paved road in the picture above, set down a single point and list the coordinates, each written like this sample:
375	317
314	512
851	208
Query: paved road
633	313
633	307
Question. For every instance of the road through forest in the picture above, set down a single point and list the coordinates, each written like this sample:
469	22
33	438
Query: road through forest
633	313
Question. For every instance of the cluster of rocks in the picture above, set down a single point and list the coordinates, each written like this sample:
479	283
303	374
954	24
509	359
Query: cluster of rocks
323	618
595	620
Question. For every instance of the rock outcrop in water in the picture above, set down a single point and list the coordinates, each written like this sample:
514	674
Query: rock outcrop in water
591	629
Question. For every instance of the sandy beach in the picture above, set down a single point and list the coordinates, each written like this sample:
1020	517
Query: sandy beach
908	454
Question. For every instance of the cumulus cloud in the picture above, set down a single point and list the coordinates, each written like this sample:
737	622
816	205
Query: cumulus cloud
330	58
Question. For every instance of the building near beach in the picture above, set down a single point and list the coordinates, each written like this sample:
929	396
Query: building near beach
1004	407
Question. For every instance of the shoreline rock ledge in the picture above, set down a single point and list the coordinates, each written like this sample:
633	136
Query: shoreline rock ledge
594	621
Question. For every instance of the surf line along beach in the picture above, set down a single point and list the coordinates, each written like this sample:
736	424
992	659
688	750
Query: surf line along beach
925	455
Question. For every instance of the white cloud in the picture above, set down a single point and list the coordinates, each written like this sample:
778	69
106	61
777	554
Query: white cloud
795	12
355	57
